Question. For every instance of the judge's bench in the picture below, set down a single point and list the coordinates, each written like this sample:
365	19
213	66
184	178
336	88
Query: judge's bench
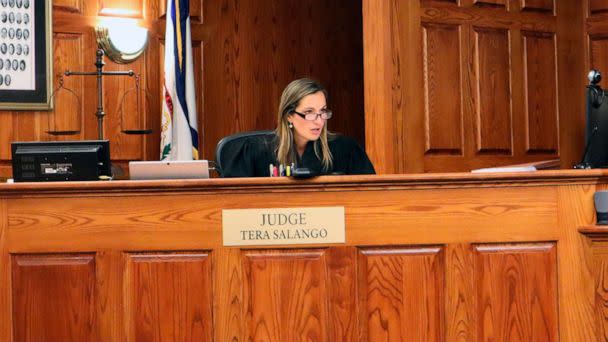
432	257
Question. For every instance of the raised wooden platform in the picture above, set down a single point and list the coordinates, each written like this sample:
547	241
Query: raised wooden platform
433	257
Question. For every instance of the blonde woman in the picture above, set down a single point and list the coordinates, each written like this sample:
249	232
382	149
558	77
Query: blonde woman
301	140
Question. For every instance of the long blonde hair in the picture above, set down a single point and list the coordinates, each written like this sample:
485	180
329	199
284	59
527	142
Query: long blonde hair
290	99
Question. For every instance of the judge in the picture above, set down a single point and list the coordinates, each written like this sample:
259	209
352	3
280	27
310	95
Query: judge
300	140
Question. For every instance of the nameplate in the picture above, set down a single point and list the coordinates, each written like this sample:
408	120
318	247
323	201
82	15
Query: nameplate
283	226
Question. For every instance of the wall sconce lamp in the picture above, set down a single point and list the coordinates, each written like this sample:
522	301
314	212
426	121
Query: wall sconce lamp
122	40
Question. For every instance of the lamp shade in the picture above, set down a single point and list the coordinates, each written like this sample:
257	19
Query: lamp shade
122	40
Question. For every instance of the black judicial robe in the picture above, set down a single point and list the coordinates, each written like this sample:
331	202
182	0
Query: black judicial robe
255	154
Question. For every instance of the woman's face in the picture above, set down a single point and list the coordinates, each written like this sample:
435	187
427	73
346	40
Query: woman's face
305	130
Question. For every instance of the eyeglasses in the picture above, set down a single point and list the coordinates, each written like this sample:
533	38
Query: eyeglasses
309	115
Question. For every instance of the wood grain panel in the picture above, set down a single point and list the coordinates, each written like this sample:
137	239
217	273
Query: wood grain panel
576	290
287	295
598	6
67	113
229	315
599	52
54	297
67	5
493	70
7	135
169	296
190	221
116	89
196	10
538	5
6	316
460	301
442	84
516	287
572	55
121	8
498	3
110	312
541	101
600	273
402	294
383	99
341	269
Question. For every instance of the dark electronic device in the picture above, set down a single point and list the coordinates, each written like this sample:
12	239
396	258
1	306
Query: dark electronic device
303	172
40	161
595	154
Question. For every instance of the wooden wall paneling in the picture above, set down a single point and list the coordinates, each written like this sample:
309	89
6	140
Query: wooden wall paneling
109	310
343	74
196	10
131	8
54	297
402	294
67	5
572	52
600	276
518	96
342	273
67	114
381	76
516	287
154	86
598	6
541	98
229	296
461	319
504	16
239	99
598	54
123	146
287	295
6	136
409	102
574	257
538	5
471	211
6	324
442	85
497	3
162	9
493	117
169	296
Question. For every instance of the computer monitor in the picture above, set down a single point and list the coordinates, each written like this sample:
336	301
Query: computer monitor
43	161
595	154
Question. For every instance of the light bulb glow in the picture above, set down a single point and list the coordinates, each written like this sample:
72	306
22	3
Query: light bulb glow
121	38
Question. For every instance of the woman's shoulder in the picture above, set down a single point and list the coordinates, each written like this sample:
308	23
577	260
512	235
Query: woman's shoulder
339	141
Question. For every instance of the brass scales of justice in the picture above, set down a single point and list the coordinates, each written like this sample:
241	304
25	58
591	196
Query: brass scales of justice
99	73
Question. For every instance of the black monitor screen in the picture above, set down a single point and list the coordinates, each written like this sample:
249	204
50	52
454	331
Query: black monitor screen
61	160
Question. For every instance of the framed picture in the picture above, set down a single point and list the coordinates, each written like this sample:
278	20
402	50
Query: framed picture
26	54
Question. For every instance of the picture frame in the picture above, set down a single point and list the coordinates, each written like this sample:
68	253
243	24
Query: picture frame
26	55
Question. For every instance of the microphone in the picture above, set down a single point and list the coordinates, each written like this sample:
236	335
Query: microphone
583	164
